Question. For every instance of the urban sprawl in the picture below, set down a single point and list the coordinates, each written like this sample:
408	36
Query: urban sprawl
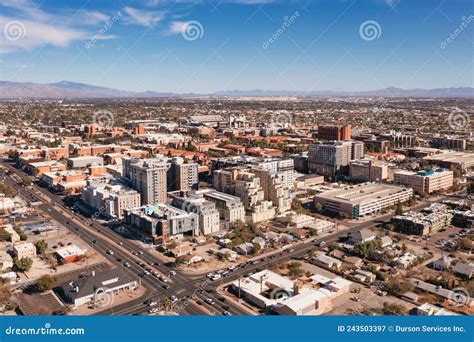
237	206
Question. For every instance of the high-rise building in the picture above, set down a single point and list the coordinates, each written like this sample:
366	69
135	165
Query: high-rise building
275	189
336	133
182	176
149	178
332	158
154	177
241	182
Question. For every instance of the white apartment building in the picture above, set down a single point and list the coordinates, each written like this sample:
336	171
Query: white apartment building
111	200
275	189
230	207
425	181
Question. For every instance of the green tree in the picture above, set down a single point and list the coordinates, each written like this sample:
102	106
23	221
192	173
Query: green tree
398	209
41	246
45	283
22	265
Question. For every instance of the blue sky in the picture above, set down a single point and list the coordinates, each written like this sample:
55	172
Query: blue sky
205	46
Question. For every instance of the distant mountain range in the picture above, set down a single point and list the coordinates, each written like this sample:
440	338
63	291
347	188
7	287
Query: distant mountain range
71	90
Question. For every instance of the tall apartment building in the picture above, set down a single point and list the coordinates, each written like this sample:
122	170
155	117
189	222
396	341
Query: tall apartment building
368	170
332	158
244	184
275	189
425	181
182	176
284	166
149	178
337	133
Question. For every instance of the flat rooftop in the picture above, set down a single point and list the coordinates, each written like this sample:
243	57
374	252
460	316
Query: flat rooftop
357	194
453	157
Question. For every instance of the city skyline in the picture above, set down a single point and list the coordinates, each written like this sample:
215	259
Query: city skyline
204	47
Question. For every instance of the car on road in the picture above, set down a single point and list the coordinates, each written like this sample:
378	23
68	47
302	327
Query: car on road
163	279
153	310
111	252
226	307
226	313
216	277
151	304
140	252
94	241
199	302
222	299
127	264
172	273
120	243
166	286
174	299
322	244
290	250
210	301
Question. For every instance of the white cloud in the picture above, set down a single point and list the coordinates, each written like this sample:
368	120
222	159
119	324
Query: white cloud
142	18
177	27
26	35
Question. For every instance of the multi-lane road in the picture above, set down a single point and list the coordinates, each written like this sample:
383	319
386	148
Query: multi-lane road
190	290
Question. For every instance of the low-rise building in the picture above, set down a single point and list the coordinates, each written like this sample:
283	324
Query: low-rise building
363	199
426	181
419	223
24	250
269	290
97	287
